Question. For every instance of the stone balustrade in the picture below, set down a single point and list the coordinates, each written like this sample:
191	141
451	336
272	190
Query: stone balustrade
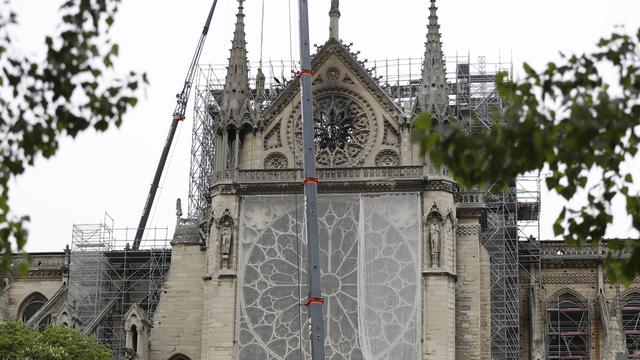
473	198
325	174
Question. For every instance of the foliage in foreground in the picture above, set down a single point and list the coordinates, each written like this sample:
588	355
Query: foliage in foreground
18	342
568	120
72	89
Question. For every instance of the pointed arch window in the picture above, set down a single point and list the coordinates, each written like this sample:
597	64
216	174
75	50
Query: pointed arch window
568	328
134	338
179	357
631	324
31	305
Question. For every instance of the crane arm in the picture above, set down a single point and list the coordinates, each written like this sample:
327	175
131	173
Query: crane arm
178	115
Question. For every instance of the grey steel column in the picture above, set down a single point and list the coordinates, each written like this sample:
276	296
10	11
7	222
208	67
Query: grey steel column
315	300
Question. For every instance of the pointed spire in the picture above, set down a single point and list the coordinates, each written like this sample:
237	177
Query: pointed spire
433	95
334	20
236	85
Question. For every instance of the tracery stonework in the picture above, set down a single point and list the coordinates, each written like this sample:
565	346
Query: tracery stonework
387	158
344	129
276	160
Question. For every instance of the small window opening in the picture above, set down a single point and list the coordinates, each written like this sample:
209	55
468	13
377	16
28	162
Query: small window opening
134	338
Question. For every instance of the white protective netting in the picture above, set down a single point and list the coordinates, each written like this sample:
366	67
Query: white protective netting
369	250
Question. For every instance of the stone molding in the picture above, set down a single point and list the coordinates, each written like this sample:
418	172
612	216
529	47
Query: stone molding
570	278
335	180
468	229
451	275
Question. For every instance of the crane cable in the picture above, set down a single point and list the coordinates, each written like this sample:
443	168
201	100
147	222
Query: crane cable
261	35
290	42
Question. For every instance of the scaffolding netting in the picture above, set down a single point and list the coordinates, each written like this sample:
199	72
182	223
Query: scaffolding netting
370	258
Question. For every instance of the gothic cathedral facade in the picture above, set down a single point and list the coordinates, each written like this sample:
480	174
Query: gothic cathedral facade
405	275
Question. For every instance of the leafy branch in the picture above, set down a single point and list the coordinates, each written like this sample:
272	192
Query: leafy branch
74	88
569	120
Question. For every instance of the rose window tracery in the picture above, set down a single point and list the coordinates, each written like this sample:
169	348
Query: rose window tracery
343	128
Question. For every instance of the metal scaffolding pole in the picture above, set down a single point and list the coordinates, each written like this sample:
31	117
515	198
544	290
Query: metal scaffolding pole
315	300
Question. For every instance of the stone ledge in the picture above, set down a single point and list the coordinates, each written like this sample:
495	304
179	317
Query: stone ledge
440	273
226	274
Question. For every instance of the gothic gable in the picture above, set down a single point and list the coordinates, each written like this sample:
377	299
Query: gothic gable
357	123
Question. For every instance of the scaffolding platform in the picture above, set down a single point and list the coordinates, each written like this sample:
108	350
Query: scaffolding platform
106	277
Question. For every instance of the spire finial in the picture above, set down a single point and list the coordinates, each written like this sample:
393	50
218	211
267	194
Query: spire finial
236	85
334	19
433	96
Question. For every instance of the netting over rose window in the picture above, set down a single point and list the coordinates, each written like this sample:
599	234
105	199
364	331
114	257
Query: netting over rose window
370	258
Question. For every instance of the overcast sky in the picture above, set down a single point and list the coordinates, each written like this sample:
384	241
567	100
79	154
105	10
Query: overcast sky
112	171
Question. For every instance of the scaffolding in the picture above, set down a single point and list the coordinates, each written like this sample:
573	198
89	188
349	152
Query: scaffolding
568	328
106	278
630	311
512	215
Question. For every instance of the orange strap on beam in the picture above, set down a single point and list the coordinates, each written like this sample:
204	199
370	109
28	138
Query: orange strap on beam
315	301
305	71
310	180
178	117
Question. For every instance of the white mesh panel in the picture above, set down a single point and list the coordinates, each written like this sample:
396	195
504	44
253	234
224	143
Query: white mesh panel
389	277
274	281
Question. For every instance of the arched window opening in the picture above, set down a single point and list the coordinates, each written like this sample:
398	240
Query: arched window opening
631	324
179	357
134	338
31	305
46	321
567	328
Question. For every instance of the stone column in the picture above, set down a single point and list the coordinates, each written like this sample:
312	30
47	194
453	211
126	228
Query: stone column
439	276
406	151
178	318
469	319
236	151
220	285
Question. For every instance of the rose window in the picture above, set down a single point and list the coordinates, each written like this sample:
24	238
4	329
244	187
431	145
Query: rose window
342	129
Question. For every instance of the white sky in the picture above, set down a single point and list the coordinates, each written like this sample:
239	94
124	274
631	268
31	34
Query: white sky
112	171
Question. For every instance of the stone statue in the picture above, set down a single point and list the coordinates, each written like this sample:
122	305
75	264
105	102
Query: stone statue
178	210
260	79
435	239
225	244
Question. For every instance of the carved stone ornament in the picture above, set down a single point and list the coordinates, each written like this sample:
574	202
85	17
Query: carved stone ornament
435	241
332	73
272	139
226	238
276	160
387	158
343	131
468	229
434	223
